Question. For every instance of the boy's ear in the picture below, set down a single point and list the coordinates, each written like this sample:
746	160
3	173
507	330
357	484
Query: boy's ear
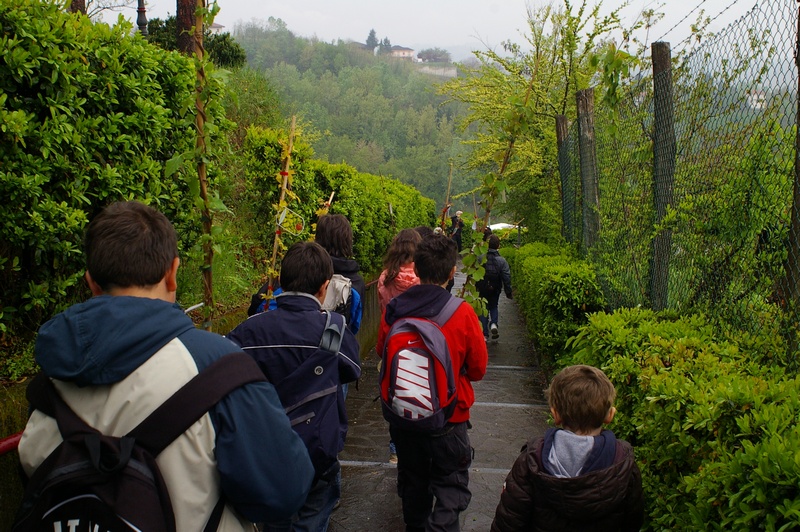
452	274
556	416
93	286
323	290
171	277
610	416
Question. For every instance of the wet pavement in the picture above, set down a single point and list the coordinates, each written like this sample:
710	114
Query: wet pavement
509	409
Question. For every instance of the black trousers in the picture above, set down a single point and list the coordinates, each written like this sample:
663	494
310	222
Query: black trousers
433	477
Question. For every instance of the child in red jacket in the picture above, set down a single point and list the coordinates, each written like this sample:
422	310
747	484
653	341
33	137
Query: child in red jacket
418	483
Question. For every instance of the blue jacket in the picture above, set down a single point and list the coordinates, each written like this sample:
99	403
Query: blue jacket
280	341
117	358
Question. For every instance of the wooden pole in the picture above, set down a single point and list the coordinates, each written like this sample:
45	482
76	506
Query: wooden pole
565	171
664	150
201	150
287	162
589	180
791	290
443	223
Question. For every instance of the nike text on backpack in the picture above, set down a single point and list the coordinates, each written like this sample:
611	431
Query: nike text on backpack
417	379
310	397
491	277
103	483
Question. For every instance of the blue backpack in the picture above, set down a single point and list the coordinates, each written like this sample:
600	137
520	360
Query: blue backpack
312	397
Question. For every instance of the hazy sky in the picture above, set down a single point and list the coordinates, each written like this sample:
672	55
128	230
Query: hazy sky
444	23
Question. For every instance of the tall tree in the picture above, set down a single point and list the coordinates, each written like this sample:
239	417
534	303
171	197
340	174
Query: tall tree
372	40
385	46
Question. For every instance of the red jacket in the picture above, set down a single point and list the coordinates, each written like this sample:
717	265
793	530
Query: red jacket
462	331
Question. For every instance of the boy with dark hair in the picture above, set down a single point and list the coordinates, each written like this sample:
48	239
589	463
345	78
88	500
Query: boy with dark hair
579	477
436	466
117	357
496	279
282	341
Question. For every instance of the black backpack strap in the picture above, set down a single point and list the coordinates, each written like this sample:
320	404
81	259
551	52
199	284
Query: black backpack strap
43	396
447	311
194	399
333	335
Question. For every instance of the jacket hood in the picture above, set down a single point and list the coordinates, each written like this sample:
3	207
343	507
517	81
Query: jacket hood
590	497
422	300
102	340
344	267
405	278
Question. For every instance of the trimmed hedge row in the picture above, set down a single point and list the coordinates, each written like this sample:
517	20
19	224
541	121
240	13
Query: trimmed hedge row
712	413
715	431
555	293
88	114
377	207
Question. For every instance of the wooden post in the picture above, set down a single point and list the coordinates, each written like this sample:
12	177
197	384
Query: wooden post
792	281
287	163
664	149
201	150
566	188
589	179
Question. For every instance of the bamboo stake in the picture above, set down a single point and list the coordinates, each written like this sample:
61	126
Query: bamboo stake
447	197
284	185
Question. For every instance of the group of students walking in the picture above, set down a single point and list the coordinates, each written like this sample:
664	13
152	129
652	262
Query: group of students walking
266	452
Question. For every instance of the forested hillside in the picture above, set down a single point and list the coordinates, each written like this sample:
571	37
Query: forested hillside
381	116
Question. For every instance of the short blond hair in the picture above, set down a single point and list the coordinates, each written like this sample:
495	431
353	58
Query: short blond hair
583	396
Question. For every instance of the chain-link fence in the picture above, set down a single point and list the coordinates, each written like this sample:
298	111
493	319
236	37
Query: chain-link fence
695	175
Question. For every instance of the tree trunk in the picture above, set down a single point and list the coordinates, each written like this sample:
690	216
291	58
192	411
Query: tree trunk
185	21
77	6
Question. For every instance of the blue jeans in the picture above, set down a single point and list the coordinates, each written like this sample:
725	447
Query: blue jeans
315	514
492	300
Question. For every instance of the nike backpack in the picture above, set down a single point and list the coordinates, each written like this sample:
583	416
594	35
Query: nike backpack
417	378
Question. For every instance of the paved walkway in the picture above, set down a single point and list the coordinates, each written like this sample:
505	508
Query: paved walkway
509	408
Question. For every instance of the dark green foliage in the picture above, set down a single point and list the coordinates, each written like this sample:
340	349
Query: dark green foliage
372	40
223	51
89	114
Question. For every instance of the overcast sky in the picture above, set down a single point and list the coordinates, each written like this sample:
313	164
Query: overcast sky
440	23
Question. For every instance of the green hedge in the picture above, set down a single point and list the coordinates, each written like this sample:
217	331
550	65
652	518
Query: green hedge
715	431
555	293
88	114
377	207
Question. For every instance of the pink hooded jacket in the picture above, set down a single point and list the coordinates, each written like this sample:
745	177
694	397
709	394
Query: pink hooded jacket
405	279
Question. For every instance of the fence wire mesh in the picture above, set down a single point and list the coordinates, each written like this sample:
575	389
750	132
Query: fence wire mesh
701	219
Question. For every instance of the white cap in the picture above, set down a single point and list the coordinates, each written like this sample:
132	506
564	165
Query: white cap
458	213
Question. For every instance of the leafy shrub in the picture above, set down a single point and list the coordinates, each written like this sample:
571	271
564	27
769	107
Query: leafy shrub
377	207
709	422
555	293
90	114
